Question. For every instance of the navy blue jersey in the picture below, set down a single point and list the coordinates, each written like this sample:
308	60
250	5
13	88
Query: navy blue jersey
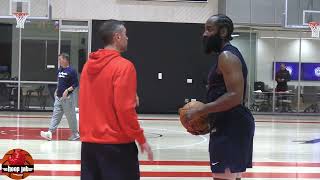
232	137
216	85
67	77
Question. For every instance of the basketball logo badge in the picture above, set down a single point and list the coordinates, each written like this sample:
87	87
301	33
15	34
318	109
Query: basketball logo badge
17	164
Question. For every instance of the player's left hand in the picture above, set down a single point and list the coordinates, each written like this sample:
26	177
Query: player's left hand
137	101
65	94
191	114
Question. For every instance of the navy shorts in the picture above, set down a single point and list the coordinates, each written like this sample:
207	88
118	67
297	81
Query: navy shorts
109	161
231	144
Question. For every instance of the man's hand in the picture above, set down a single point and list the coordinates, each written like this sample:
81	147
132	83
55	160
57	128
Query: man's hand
192	113
65	94
146	148
137	101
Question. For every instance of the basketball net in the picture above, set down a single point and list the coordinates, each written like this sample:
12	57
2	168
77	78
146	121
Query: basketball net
21	18
315	28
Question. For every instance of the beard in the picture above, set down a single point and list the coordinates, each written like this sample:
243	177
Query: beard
212	44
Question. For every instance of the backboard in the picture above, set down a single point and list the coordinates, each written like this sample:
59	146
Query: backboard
37	9
298	13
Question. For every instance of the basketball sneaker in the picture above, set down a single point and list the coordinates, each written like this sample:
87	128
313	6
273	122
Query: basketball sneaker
74	137
47	135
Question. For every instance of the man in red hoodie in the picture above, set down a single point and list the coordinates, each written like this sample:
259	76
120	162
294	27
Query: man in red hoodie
108	120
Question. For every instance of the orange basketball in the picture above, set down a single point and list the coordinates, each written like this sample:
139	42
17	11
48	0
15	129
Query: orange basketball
17	157
198	125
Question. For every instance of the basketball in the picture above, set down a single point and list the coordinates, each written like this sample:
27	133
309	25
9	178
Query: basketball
198	125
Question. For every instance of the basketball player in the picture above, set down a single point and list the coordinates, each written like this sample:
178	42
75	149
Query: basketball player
231	140
108	120
64	99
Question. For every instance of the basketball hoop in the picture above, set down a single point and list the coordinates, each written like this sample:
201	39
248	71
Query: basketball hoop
21	18
315	28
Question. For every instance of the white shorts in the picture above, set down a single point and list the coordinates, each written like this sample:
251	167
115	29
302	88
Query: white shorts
227	175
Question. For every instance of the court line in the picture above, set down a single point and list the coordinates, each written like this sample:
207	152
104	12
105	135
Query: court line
188	174
188	163
282	121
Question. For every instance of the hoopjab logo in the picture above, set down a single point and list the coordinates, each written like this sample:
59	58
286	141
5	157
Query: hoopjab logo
17	164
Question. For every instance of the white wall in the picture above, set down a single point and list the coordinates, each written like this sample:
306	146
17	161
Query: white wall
262	12
132	10
284	48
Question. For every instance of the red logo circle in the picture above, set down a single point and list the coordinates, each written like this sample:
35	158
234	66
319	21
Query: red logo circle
17	164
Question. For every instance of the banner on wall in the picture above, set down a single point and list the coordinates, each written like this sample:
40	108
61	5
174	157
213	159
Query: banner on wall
309	71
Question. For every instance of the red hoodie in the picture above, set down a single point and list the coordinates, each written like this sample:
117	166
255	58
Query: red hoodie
107	100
